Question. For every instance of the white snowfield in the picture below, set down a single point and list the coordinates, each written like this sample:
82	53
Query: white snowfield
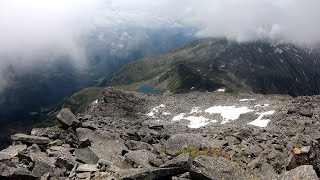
262	122
197	116
229	113
195	122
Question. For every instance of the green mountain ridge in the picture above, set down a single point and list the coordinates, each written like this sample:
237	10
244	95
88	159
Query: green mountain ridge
212	64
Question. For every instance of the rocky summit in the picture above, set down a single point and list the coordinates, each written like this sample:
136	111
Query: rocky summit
196	135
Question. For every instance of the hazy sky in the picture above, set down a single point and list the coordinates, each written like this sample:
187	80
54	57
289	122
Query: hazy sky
38	30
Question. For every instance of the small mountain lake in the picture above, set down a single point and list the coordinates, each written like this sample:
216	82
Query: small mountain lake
148	90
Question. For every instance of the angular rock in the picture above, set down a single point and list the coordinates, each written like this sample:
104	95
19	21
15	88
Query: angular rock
155	161
65	162
13	150
148	173
255	150
305	172
139	158
4	156
305	149
137	145
182	161
178	142
21	173
232	140
5	171
51	132
86	155
30	139
204	167
158	125
215	143
101	145
84	143
41	168
70	137
67	119
45	177
87	168
85	175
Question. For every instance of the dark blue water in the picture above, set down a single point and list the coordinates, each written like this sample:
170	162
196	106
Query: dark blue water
148	90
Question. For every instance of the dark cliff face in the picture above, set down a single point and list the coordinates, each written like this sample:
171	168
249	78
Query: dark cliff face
210	64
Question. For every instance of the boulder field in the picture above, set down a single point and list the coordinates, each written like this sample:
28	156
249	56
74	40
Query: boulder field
197	135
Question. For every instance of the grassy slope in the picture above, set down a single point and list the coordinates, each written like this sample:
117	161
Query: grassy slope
80	100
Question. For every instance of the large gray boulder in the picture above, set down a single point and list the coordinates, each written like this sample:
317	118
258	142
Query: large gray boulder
305	172
178	142
5	171
13	150
182	161
87	168
67	119
102	145
148	173
205	167
86	155
30	139
140	158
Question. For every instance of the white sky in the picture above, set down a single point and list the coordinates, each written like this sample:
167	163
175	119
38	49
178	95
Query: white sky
33	29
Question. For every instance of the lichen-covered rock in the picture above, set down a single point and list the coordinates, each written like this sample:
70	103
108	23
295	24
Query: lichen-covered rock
204	167
178	142
139	158
302	172
182	161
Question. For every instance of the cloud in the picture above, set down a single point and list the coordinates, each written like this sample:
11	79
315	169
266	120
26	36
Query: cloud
37	31
242	20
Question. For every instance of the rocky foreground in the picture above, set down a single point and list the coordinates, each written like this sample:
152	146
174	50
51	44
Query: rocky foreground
126	135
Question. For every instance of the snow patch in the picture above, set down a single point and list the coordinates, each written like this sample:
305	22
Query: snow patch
195	110
155	110
178	117
243	100
262	122
298	56
95	102
221	90
305	75
197	122
166	113
229	113
278	50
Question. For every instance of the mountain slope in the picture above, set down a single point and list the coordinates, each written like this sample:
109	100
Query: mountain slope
212	64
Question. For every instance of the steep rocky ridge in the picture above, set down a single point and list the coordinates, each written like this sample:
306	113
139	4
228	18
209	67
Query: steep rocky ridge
211	64
197	135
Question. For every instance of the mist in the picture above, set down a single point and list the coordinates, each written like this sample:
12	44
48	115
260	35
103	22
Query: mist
38	32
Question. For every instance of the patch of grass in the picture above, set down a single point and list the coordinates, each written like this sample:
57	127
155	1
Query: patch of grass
194	152
80	100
